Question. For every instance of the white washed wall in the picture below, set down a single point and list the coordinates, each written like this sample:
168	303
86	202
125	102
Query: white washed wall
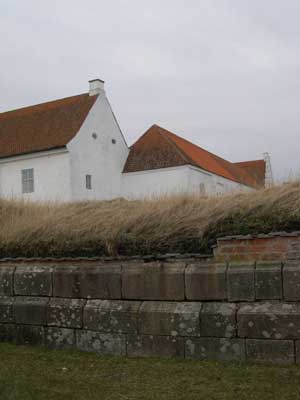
99	157
213	184
51	177
157	182
168	181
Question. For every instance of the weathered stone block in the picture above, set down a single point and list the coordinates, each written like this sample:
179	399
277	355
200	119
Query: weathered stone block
269	321
60	338
7	333
270	351
240	282
222	349
6	280
154	346
218	319
66	313
170	318
153	281
87	281
205	282
30	335
101	343
116	316
6	309
268	281
33	280
297	343
291	281
30	310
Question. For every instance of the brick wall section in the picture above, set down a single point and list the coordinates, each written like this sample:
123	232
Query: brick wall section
232	312
279	246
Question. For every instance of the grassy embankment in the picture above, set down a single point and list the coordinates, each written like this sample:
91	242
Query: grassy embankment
170	224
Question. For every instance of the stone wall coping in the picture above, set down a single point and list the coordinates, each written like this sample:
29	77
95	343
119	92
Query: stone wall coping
259	236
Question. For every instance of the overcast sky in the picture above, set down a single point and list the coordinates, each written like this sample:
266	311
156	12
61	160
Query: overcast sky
224	74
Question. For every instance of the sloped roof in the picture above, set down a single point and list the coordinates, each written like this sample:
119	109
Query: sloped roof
159	148
44	126
256	168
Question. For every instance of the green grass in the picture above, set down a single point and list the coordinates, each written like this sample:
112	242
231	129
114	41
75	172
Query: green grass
35	373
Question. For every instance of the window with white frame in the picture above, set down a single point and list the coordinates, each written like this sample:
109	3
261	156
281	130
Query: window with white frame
27	180
88	182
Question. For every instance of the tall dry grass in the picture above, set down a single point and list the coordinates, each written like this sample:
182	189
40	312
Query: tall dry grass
169	224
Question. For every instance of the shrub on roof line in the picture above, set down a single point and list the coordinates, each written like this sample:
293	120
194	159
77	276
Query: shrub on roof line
119	227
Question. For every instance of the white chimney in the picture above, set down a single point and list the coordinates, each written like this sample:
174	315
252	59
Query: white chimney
95	86
269	180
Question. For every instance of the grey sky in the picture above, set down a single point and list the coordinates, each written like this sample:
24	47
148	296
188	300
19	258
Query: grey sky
224	74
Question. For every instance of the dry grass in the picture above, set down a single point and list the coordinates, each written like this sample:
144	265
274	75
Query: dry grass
178	223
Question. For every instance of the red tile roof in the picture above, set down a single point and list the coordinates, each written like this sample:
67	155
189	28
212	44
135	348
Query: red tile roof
257	168
44	126
159	148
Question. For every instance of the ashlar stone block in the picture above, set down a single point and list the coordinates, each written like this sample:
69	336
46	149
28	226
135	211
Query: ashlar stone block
205	282
153	281
112	316
291	281
170	318
6	309
30	310
155	346
87	281
270	351
7	333
221	349
218	320
102	343
240	282
33	280
60	338
268	281
66	313
30	335
6	280
269	321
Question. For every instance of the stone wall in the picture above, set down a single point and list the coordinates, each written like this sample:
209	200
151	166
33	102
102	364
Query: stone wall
184	308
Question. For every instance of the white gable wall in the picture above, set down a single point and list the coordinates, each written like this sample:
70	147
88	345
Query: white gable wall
51	176
98	157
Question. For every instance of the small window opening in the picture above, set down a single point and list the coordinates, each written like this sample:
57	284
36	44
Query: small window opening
27	180
88	182
202	189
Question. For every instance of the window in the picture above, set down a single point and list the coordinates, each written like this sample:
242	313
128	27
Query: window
27	180
220	188
88	182
202	189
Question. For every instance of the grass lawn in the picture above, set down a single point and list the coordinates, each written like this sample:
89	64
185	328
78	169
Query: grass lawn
35	373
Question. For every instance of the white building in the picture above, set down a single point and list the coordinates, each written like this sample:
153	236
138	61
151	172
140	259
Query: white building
73	149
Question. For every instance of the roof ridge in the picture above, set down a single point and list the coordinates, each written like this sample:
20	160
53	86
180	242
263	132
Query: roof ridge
249	161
